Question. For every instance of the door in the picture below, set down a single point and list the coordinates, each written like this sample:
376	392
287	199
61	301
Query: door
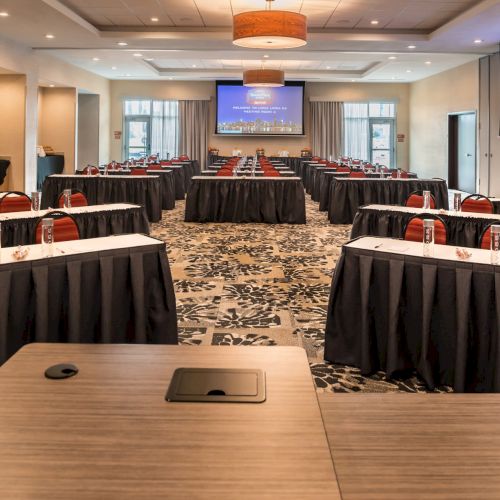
137	137
382	142
466	152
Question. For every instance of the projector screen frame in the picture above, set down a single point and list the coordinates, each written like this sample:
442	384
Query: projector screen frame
240	84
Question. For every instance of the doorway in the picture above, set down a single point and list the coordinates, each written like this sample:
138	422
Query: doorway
462	134
137	140
382	141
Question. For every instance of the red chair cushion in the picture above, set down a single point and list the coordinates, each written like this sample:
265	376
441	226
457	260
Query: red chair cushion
417	201
65	229
15	203
404	175
139	171
482	205
415	231
77	200
357	175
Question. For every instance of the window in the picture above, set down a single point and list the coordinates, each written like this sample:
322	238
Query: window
150	127
369	132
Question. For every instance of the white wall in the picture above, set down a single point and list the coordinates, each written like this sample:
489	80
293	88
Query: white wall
36	68
431	100
12	111
203	90
88	130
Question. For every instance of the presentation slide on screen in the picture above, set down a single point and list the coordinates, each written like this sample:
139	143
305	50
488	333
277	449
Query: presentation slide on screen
247	110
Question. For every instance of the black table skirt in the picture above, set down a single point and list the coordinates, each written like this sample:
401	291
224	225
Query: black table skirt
347	195
91	225
273	201
108	189
321	181
167	185
398	313
462	231
113	296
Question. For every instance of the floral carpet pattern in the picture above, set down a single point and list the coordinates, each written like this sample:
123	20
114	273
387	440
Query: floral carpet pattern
262	284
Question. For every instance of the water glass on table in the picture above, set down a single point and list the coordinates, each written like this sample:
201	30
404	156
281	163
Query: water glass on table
427	200
457	202
428	238
495	243
67	198
47	237
35	200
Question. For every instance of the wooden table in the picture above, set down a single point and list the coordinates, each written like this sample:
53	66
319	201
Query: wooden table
108	432
414	446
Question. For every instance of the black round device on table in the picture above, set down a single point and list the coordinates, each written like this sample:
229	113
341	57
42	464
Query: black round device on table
63	370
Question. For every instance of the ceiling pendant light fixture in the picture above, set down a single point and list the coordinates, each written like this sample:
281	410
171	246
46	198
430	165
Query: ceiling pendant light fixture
263	78
270	29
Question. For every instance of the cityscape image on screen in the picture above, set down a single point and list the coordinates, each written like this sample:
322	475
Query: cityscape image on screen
259	111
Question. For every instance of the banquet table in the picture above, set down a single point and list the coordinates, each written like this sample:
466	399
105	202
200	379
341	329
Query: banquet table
144	190
347	195
463	228
167	184
248	173
115	289
392	309
321	182
19	228
273	200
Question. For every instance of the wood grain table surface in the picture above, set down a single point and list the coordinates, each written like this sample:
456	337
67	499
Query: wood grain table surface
108	433
414	446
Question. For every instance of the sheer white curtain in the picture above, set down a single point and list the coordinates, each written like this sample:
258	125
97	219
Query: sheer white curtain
165	128
356	130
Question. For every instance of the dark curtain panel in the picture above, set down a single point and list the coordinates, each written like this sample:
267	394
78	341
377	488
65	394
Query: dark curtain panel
193	130
327	128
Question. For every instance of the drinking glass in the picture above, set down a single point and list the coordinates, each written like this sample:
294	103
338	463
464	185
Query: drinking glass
427	200
495	243
457	202
428	238
35	200
67	198
48	237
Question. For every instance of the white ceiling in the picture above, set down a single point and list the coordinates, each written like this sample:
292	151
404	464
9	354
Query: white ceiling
192	38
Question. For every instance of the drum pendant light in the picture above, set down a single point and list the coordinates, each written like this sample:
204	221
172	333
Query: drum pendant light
270	29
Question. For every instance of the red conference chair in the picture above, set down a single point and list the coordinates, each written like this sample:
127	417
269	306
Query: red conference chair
477	203
164	163
154	166
315	158
93	170
176	159
323	162
15	201
344	159
416	200
271	173
414	230
139	171
357	175
78	199
332	165
65	227
184	158
343	169
404	175
356	162
224	173
485	239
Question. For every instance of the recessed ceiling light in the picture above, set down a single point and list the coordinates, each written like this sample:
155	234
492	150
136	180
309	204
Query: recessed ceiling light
51	85
412	46
154	19
137	54
353	80
428	62
113	67
392	58
4	14
95	59
265	55
374	22
128	74
49	35
408	70
194	65
170	77
122	44
328	67
478	40
149	59
393	78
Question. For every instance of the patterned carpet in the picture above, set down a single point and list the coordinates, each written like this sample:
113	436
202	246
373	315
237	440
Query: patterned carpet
259	284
